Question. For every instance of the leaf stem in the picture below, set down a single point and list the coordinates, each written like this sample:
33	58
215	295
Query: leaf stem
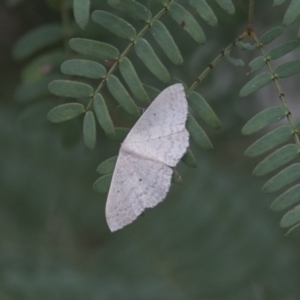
216	61
279	89
128	48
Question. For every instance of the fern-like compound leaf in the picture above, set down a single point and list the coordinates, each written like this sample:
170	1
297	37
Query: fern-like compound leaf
83	68
166	42
292	13
294	231
264	118
89	130
81	10
132	8
119	92
147	55
283	49
187	21
94	49
114	24
107	166
198	134
282	179
271	35
288	69
65	112
102	184
256	83
227	6
257	63
130	76
291	217
277	159
102	115
203	109
269	141
205	12
189	159
288	198
237	62
71	89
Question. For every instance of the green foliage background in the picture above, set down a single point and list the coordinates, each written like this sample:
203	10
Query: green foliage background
214	237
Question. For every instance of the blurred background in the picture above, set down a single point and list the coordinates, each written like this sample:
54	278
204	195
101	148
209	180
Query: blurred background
214	237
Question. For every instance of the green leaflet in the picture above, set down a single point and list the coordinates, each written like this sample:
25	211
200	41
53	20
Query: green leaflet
198	134
151	91
269	141
151	61
84	68
294	231
227	6
185	19
107	166
81	10
291	217
132	8
72	89
234	61
102	115
176	178
166	42
203	109
246	46
286	199
257	63
65	112
288	69
130	76
271	35
89	130
282	179
43	65
36	40
205	12
118	91
102	184
283	49
256	83
35	90
264	118
121	133
189	159
292	13
114	24
93	48
277	159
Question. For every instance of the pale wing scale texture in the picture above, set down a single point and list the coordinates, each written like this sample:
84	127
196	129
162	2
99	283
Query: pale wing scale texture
168	109
142	174
134	188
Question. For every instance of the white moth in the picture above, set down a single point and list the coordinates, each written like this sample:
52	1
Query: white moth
143	171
